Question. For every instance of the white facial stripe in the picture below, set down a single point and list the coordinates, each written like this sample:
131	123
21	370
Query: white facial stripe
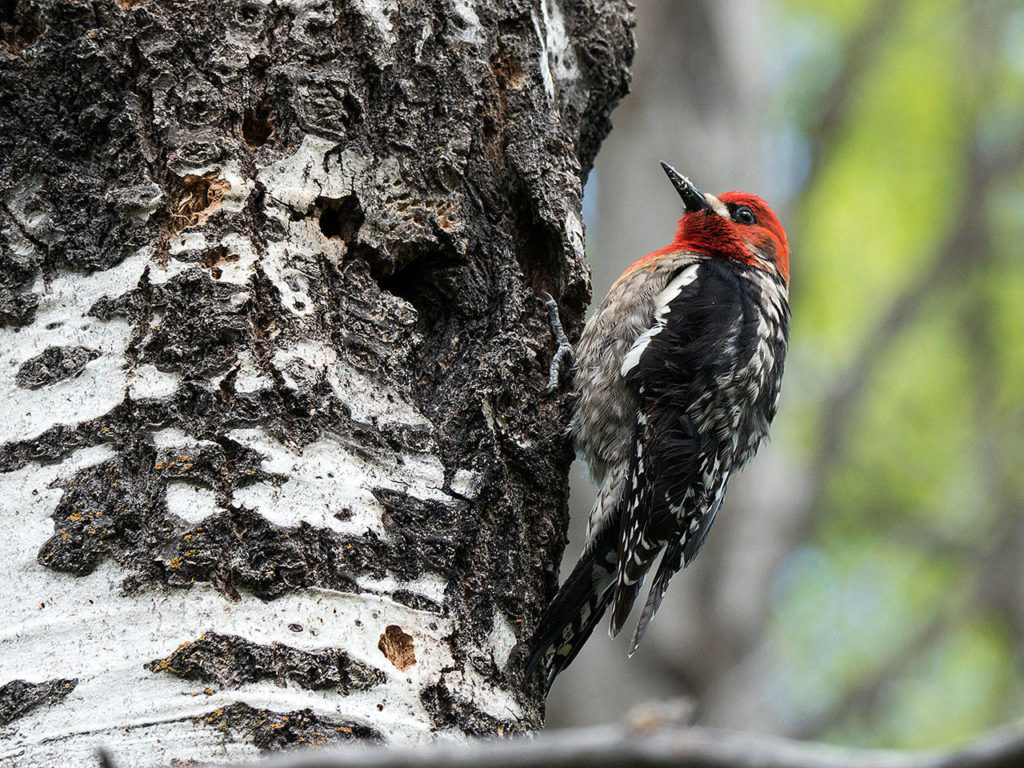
717	205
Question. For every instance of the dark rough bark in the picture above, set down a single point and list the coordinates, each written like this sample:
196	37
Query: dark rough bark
271	730
53	365
233	661
300	213
18	698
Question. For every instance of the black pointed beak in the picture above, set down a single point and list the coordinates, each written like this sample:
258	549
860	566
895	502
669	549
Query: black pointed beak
692	198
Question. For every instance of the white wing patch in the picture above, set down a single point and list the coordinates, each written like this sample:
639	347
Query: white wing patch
661	305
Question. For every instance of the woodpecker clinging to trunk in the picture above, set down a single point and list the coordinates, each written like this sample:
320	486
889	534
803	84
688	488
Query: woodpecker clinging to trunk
677	379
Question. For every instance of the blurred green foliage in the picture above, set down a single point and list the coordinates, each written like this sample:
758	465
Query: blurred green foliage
900	620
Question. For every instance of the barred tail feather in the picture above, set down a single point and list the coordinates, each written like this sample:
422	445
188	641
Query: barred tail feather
625	595
573	614
636	555
671	562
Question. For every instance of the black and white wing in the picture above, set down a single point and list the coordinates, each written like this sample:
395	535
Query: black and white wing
688	369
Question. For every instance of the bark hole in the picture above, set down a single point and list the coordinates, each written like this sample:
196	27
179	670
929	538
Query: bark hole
257	127
340	218
506	69
424	281
540	258
397	647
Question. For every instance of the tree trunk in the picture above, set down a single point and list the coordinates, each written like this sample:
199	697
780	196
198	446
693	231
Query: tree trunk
275	464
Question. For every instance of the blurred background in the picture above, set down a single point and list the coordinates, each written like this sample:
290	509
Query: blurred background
864	583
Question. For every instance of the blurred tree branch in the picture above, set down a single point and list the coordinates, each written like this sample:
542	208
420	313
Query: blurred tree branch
994	590
965	251
651	741
825	132
863	695
961	252
965	248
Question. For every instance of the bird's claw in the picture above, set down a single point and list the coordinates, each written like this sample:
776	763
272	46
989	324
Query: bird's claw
564	347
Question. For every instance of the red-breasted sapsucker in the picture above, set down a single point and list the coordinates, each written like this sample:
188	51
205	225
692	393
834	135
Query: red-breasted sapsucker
677	379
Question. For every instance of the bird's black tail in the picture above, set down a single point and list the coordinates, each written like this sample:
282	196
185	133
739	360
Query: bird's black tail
575	611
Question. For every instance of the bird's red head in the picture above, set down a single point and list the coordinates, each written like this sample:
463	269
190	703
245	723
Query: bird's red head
735	225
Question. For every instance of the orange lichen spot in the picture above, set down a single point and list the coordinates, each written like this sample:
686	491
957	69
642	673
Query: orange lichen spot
175	562
158	465
214	716
397	647
74	517
129	3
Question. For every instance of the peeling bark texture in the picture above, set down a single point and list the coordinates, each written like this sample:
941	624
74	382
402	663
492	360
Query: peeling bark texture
275	463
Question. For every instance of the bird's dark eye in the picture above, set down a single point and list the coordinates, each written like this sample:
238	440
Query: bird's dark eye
744	215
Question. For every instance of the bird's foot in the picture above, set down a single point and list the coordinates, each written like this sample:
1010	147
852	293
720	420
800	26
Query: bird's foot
564	350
